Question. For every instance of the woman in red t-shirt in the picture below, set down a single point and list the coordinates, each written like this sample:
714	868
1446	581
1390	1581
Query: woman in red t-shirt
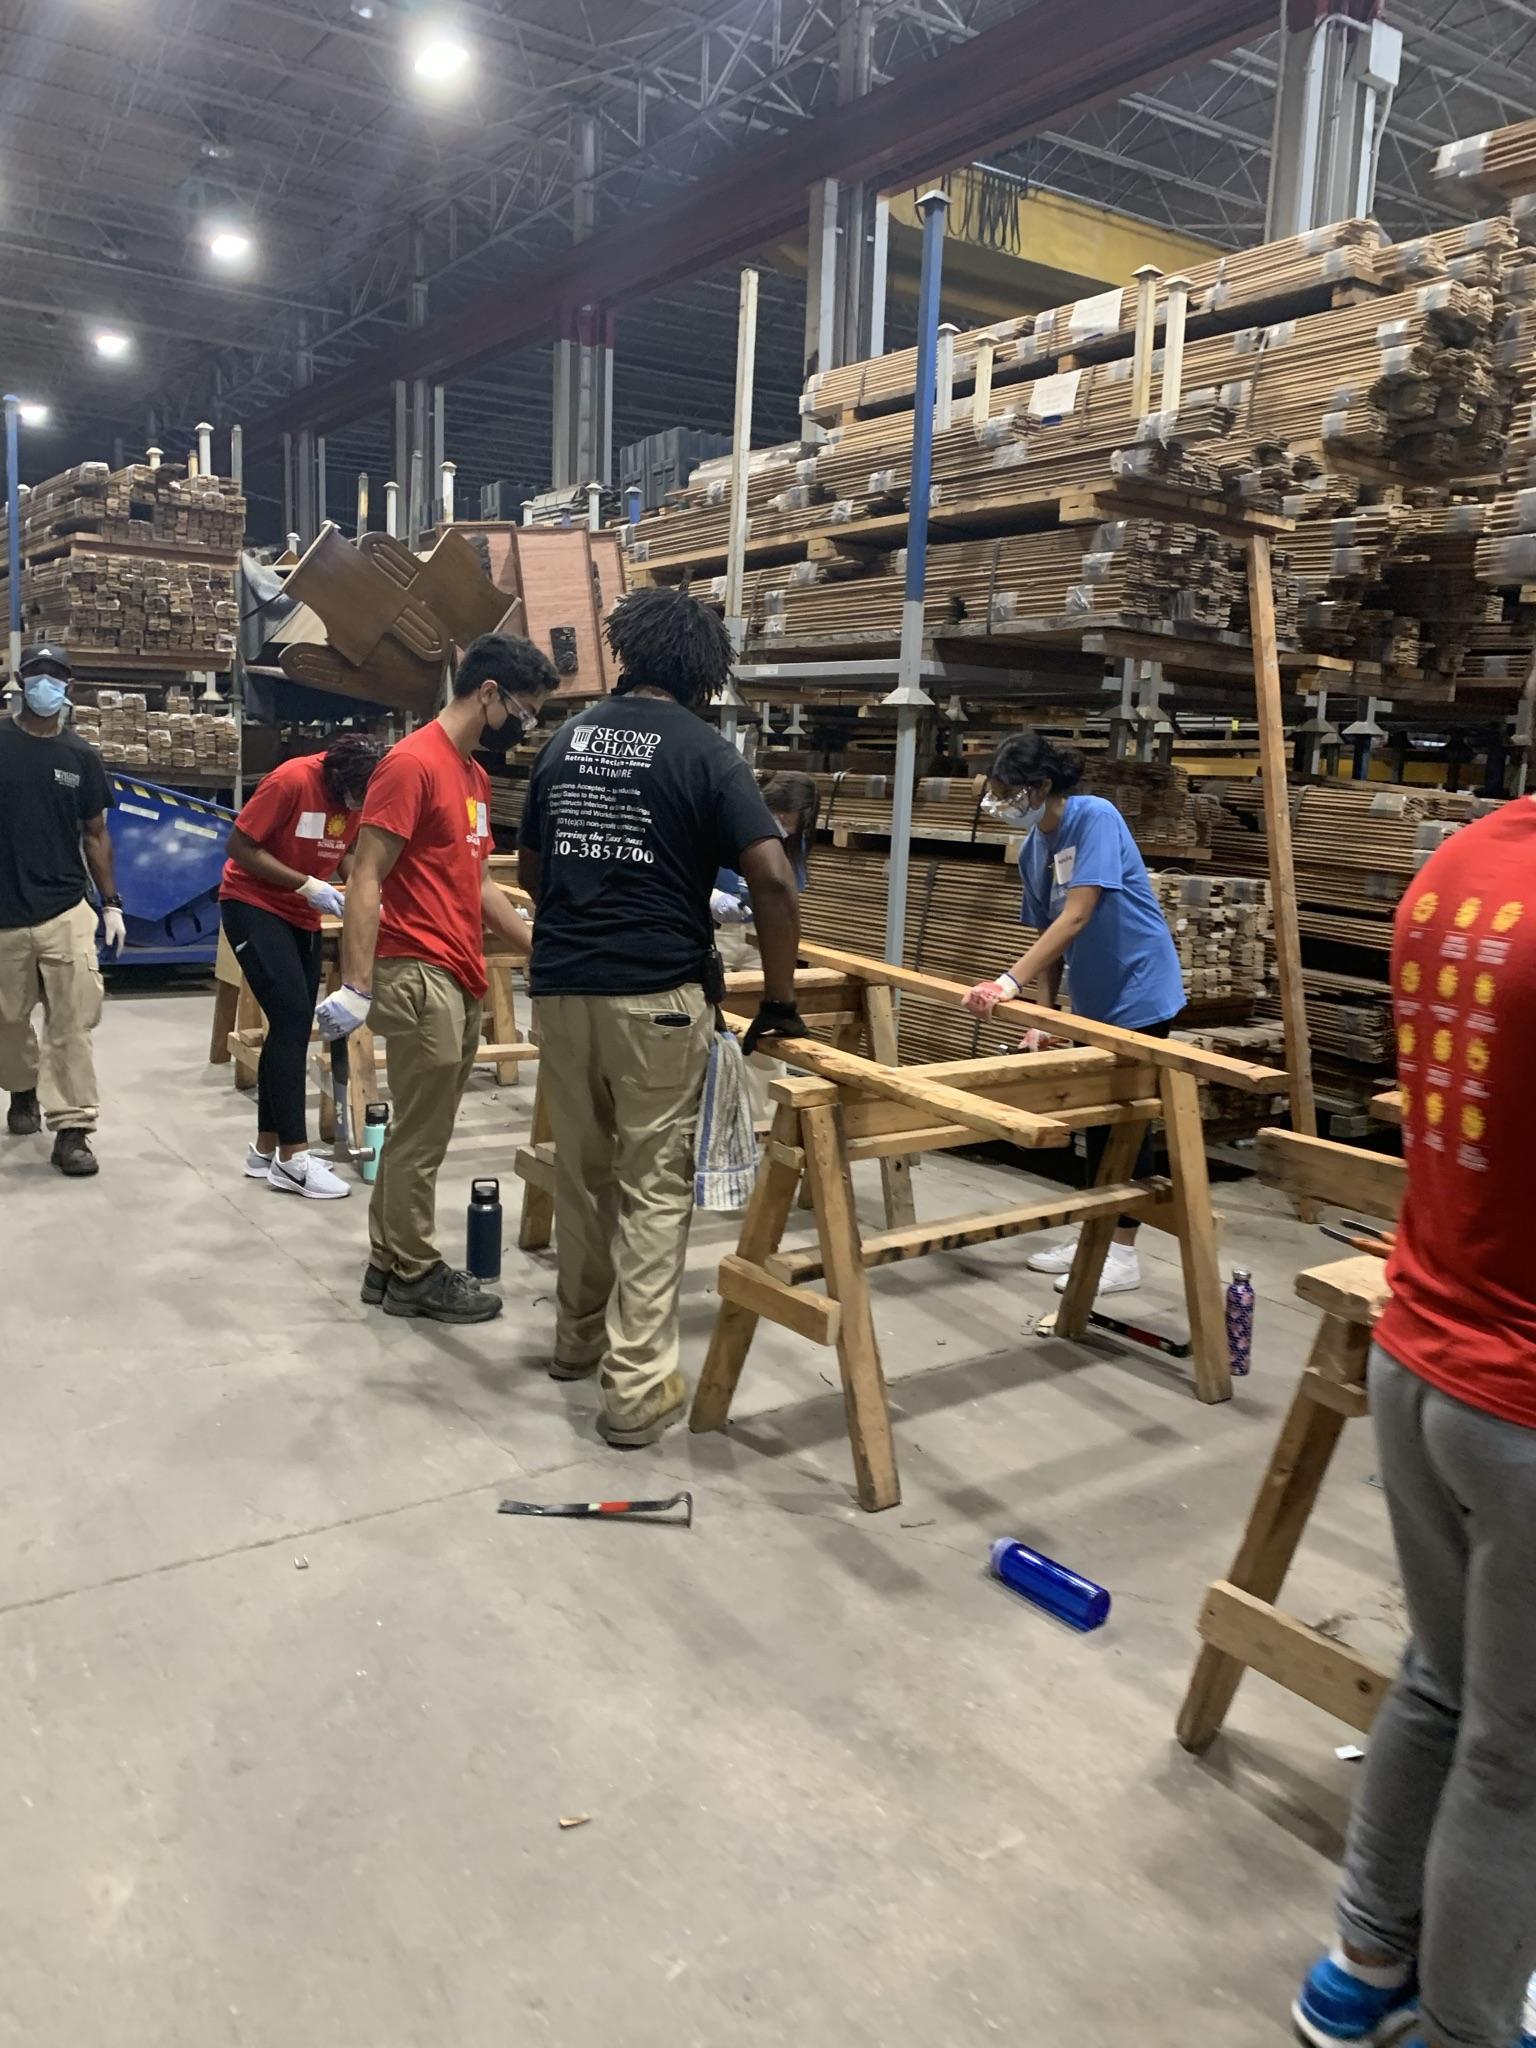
295	833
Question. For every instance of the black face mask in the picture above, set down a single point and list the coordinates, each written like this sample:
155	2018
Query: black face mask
500	740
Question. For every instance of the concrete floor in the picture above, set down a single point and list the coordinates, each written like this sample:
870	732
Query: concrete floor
290	1715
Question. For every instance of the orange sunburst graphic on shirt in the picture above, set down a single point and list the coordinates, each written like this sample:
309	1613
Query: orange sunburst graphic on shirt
1484	989
1426	907
1407	1101
1477	1055
1473	1122
474	814
336	825
1411	977
1507	916
1442	1046
1467	911
1434	1107
1407	1039
1447	981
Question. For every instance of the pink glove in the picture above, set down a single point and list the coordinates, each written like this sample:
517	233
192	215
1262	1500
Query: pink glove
984	998
1034	1041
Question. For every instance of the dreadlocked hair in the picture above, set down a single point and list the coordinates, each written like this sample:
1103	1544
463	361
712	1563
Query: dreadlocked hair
667	640
347	766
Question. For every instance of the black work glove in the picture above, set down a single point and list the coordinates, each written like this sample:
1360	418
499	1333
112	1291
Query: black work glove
774	1020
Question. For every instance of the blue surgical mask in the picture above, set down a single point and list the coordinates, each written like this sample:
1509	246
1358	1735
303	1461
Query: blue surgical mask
44	696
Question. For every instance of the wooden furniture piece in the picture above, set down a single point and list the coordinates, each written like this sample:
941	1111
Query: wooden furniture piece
851	1107
1241	1624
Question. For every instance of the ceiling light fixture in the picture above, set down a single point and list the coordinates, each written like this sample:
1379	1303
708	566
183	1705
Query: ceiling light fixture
32	414
110	343
440	57
229	245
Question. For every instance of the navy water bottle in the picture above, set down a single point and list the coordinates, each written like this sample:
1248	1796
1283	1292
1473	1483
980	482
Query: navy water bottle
1055	1587
483	1252
1240	1320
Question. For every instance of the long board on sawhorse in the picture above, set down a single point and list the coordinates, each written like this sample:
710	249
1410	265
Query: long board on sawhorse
1241	1624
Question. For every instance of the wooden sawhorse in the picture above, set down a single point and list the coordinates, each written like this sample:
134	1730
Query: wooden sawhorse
857	1109
854	1012
1241	1625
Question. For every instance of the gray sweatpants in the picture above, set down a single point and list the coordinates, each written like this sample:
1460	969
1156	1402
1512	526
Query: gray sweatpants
1441	1861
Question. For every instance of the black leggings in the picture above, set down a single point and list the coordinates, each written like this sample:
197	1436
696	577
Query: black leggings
1096	1137
282	965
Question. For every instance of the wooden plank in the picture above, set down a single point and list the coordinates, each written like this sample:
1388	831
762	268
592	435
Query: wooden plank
954	1233
1387	1108
536	1225
362	1082
802	1309
761	1228
226	1002
1277	821
1039	1095
511	1054
896	1168
1313	1666
1354	1288
858	1355
953	1105
1287	1492
535	1165
1157	1052
1210	1355
501	1013
1349	1402
1372	1182
1094	1239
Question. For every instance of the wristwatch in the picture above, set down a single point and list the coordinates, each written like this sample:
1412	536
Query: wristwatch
111	902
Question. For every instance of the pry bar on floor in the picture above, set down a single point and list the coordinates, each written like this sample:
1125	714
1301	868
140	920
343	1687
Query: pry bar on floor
1175	1347
613	1509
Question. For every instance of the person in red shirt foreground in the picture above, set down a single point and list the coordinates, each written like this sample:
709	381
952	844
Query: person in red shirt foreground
295	833
1438	1899
413	959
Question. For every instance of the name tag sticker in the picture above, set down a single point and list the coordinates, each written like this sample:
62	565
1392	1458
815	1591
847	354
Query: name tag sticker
482	821
1066	862
311	825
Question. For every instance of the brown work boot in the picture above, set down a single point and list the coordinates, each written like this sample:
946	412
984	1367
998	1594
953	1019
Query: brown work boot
24	1119
73	1156
649	1419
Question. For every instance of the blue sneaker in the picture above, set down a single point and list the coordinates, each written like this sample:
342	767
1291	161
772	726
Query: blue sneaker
1333	2006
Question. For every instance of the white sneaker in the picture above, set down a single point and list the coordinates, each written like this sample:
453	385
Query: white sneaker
1122	1272
306	1175
257	1163
1054	1258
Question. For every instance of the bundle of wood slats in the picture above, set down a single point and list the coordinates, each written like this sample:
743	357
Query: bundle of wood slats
95	602
138	506
1501	160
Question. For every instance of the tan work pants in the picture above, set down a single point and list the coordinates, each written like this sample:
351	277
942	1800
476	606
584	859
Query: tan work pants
431	1035
53	964
622	1091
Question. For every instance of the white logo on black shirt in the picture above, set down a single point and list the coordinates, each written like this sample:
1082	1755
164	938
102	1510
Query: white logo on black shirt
615	743
67	776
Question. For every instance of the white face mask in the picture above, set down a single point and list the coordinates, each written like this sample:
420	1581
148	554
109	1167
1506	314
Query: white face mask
1019	816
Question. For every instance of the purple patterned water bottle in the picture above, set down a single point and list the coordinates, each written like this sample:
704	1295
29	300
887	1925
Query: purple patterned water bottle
1240	1320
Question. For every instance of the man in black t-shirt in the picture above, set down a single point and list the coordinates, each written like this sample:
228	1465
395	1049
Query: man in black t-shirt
632	808
54	799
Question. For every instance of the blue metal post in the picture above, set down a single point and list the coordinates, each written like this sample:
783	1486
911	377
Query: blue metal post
909	696
13	521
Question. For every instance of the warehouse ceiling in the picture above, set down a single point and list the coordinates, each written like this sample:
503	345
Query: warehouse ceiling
128	133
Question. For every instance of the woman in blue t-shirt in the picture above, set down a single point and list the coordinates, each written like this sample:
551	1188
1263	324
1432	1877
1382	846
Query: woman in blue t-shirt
1087	894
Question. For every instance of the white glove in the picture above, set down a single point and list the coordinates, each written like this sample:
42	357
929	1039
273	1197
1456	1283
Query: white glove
339	1015
724	908
115	930
328	901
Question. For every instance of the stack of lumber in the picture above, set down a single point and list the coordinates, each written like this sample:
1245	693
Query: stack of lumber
1223	930
1228	1113
1501	160
137	507
103	603
131	566
166	742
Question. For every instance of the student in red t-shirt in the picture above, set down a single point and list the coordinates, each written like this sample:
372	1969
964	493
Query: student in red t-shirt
413	958
292	837
1439	1887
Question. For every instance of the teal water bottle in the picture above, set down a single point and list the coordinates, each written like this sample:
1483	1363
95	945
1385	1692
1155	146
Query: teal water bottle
375	1131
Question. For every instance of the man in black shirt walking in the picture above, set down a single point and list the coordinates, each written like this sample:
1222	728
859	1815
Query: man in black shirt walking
54	799
632	809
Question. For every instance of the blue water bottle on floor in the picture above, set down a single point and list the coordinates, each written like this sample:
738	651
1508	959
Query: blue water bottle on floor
483	1250
1240	1321
1055	1587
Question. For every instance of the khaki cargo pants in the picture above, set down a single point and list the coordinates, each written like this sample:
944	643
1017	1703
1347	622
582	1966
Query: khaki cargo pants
622	1091
54	964
431	1032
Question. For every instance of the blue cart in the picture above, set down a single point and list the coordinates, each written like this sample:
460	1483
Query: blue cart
169	852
